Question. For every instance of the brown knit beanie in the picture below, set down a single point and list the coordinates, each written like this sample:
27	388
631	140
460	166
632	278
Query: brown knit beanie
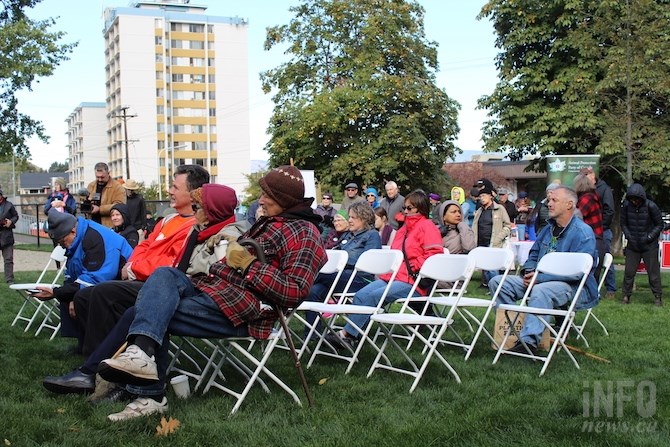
284	185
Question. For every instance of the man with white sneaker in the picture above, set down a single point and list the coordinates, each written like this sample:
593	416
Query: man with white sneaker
235	299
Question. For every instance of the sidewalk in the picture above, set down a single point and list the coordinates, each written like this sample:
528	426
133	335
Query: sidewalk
29	260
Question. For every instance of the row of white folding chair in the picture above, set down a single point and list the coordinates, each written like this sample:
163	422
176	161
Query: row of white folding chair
579	327
376	262
561	264
33	309
237	353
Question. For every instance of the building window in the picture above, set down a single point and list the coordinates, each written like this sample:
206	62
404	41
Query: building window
177	77
196	28
212	112
158	40
197	44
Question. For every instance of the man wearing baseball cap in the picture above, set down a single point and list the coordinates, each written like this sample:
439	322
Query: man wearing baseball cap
351	195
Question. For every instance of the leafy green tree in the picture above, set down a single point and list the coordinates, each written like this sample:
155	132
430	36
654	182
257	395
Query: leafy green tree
358	100
58	167
28	50
253	190
587	76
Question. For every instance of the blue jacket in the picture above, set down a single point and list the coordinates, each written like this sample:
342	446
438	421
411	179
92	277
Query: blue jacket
96	255
70	202
356	243
576	237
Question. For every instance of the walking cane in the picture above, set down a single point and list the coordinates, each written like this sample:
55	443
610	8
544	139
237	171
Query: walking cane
282	321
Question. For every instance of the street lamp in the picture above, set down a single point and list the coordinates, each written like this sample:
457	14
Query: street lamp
167	150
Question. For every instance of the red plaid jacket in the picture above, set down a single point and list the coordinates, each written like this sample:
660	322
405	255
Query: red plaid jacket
589	205
294	255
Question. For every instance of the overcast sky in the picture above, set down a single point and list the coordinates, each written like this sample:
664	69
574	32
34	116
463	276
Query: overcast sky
466	56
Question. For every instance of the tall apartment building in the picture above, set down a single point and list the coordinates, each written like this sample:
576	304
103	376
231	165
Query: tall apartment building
177	92
87	142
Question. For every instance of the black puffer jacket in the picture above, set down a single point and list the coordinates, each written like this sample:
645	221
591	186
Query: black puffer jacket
641	221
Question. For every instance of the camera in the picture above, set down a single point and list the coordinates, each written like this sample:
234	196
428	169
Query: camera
87	204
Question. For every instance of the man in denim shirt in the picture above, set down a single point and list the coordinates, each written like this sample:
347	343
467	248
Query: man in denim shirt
564	233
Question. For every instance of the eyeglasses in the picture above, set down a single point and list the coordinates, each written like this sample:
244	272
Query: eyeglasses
327	198
409	208
370	195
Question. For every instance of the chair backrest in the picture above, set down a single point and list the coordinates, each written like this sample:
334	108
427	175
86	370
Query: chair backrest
607	264
456	269
377	261
492	258
337	261
57	255
572	265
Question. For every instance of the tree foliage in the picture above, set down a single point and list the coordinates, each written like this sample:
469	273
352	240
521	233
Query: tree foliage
587	76
58	167
357	100
28	50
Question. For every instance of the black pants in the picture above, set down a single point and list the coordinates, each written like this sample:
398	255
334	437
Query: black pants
99	307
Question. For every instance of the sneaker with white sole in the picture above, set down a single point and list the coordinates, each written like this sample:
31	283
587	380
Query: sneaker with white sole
142	406
133	367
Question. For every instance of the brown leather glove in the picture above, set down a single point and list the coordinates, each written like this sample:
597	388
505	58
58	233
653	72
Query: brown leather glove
238	257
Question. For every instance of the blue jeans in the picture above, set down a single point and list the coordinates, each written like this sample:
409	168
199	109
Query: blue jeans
169	304
610	279
370	296
323	283
546	295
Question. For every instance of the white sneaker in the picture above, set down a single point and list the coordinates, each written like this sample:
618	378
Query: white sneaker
142	406
133	367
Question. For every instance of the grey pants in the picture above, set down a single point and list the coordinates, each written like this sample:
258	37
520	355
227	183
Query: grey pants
8	256
650	258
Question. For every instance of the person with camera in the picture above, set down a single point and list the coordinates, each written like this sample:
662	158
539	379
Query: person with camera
103	193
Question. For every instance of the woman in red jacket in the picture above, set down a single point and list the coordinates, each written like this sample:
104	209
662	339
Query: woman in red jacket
418	239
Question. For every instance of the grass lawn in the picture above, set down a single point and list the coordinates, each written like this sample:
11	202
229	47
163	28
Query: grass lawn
624	402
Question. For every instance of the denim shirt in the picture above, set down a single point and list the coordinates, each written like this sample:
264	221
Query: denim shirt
576	237
355	243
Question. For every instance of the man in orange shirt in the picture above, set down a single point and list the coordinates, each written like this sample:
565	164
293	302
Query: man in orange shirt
98	310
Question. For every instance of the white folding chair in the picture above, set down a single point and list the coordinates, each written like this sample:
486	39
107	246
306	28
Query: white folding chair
455	269
337	262
485	258
562	264
579	327
376	262
47	310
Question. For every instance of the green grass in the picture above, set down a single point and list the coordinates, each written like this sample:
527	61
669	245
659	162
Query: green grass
44	246
500	404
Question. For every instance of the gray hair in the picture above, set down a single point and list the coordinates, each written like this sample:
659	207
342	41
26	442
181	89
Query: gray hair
365	212
583	184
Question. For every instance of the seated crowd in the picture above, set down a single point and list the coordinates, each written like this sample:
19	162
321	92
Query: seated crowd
184	279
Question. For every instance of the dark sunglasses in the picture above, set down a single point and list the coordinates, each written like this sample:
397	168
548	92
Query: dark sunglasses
371	195
327	198
408	208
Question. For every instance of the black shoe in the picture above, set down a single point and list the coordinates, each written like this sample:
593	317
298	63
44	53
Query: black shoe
116	394
75	382
340	342
519	348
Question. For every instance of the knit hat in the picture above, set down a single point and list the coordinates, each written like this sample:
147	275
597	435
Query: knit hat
342	212
60	224
219	202
435	196
446	204
284	185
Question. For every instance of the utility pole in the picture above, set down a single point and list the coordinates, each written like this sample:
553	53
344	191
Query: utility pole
125	117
